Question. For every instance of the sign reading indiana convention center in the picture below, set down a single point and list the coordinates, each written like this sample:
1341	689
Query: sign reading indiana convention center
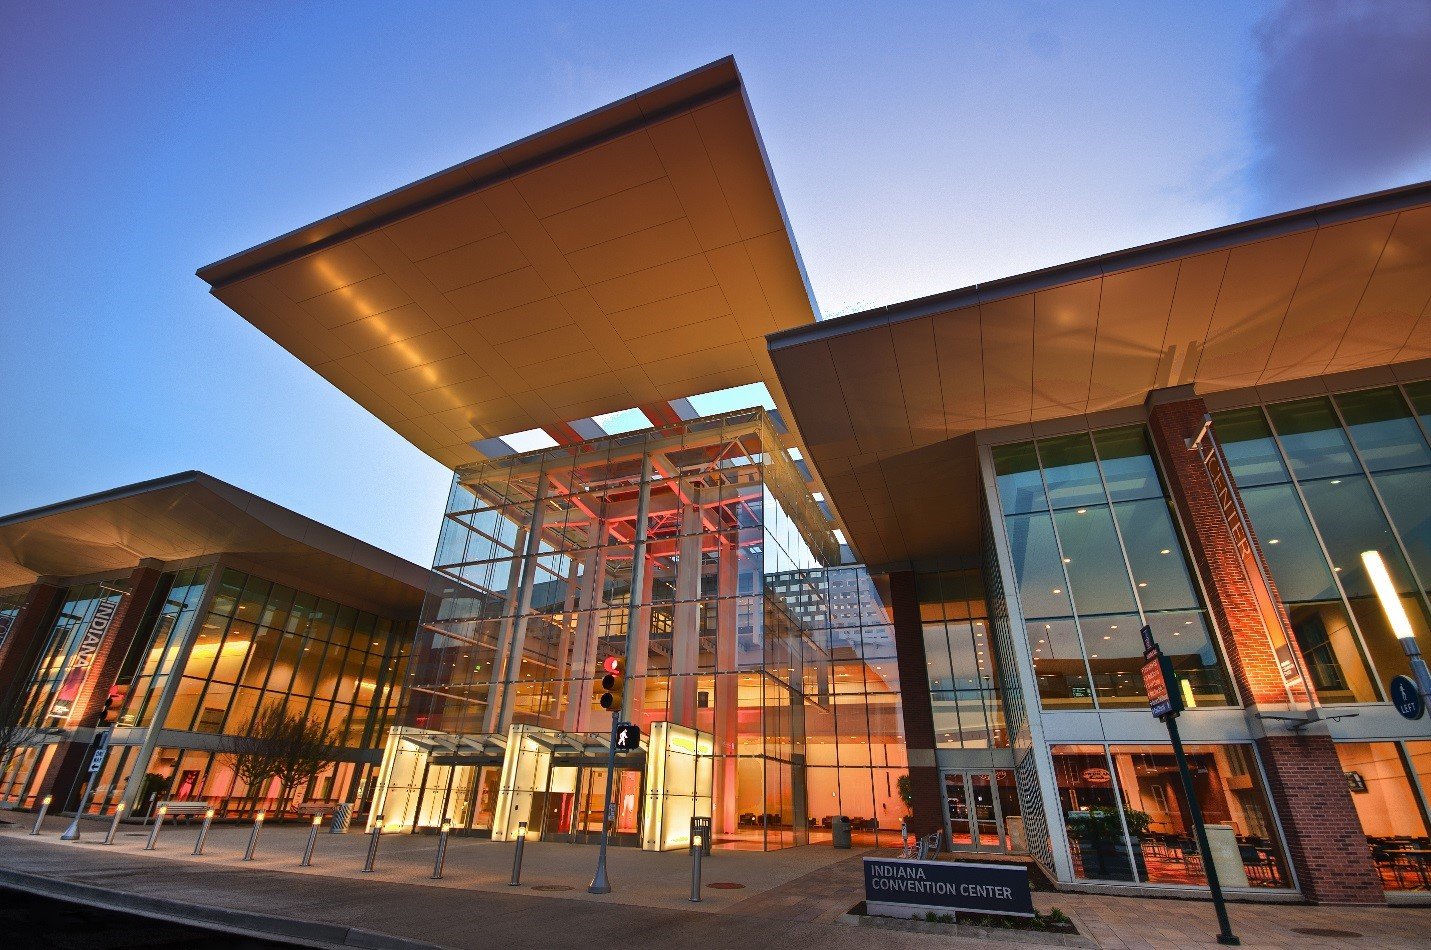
896	887
80	663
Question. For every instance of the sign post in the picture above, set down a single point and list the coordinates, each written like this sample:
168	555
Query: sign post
98	748
1165	702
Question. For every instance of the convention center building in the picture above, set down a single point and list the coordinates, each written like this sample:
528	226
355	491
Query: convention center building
908	585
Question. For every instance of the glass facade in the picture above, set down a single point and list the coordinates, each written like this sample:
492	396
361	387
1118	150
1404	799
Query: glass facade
1325	479
963	676
258	643
703	543
1096	554
1128	820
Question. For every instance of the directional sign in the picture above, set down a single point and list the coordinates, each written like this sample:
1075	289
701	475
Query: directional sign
1407	698
628	737
101	747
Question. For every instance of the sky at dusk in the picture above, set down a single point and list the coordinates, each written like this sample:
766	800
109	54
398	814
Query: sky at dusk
918	147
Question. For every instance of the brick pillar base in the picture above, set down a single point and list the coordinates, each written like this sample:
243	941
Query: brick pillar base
927	808
59	778
1328	847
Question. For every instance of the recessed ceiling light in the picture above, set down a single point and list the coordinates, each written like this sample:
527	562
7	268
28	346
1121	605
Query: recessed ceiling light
1274	541
1165	551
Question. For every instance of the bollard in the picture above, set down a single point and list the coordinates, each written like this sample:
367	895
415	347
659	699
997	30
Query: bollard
698	848
441	848
377	833
158	823
114	825
253	836
40	816
517	855
312	840
204	831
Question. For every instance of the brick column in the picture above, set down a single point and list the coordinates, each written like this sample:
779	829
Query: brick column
1305	780
26	638
103	670
928	806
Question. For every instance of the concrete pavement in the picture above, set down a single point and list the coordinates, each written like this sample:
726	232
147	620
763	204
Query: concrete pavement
789	899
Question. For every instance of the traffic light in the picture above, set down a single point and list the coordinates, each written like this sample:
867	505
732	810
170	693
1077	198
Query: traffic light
613	684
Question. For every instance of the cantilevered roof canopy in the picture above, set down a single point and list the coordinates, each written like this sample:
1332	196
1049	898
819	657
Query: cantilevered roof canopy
887	400
632	256
193	515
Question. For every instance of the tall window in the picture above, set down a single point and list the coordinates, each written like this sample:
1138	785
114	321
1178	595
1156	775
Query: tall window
1096	554
963	681
1324	480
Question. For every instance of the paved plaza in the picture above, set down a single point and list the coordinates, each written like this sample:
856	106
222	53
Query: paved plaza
787	899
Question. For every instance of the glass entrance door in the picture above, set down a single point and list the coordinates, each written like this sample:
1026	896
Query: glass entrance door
973	812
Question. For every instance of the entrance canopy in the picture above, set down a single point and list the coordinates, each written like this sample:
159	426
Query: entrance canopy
888	400
633	256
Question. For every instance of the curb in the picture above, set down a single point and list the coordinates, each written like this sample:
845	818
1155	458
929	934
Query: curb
240	922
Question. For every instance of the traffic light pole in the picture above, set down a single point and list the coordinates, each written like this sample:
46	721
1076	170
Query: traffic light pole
599	883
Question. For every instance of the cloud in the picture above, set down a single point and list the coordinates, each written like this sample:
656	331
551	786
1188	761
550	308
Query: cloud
1343	103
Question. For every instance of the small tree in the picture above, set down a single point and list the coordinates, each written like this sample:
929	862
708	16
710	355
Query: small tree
289	747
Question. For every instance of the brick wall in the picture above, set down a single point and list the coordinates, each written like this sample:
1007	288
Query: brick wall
928	807
1304	776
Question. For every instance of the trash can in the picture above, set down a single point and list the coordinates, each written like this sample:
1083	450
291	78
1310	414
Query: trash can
840	831
341	816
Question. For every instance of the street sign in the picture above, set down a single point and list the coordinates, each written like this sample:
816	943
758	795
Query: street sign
101	747
628	737
1163	700
1407	698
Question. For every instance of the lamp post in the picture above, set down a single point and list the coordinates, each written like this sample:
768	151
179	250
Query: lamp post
517	855
1396	616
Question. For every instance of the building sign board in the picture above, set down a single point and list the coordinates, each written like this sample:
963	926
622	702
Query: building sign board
1157	672
1406	697
84	655
896	887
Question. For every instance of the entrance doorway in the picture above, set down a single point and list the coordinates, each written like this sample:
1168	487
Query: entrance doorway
571	805
982	811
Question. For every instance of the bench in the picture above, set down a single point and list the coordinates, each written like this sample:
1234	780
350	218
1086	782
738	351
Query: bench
186	809
309	809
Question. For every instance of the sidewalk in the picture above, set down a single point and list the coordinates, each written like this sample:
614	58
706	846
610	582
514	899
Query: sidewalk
788	899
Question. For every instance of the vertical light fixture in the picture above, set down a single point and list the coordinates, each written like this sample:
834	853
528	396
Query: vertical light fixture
1396	616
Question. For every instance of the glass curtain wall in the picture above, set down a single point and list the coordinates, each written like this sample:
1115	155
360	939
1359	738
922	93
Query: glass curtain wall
1128	819
9	610
1096	554
1324	480
259	643
55	666
547	558
847	734
963	676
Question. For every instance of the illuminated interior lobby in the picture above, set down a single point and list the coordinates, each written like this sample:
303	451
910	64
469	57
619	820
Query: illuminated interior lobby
942	527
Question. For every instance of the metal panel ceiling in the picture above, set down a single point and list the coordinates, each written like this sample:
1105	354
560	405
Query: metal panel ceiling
635	255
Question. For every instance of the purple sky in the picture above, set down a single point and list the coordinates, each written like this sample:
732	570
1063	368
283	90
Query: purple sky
919	148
